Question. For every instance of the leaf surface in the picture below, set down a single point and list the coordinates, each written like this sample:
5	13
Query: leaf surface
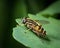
29	39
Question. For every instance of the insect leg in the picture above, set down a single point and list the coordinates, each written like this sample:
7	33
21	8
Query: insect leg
27	30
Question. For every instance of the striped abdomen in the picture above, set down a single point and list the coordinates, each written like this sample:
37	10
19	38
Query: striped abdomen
39	30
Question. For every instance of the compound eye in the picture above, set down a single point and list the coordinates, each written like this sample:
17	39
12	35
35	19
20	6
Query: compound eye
24	21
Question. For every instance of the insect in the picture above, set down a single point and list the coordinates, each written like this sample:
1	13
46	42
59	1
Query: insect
34	26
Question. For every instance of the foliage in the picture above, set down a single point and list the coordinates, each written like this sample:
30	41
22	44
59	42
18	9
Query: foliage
29	39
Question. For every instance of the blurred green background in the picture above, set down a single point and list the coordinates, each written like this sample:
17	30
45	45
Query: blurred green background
12	9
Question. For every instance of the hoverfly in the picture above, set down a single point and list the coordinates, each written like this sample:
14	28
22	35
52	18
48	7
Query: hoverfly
34	26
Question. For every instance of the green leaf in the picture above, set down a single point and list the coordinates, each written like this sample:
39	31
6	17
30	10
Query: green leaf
29	39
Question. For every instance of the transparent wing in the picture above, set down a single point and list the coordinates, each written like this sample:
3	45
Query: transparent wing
43	21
